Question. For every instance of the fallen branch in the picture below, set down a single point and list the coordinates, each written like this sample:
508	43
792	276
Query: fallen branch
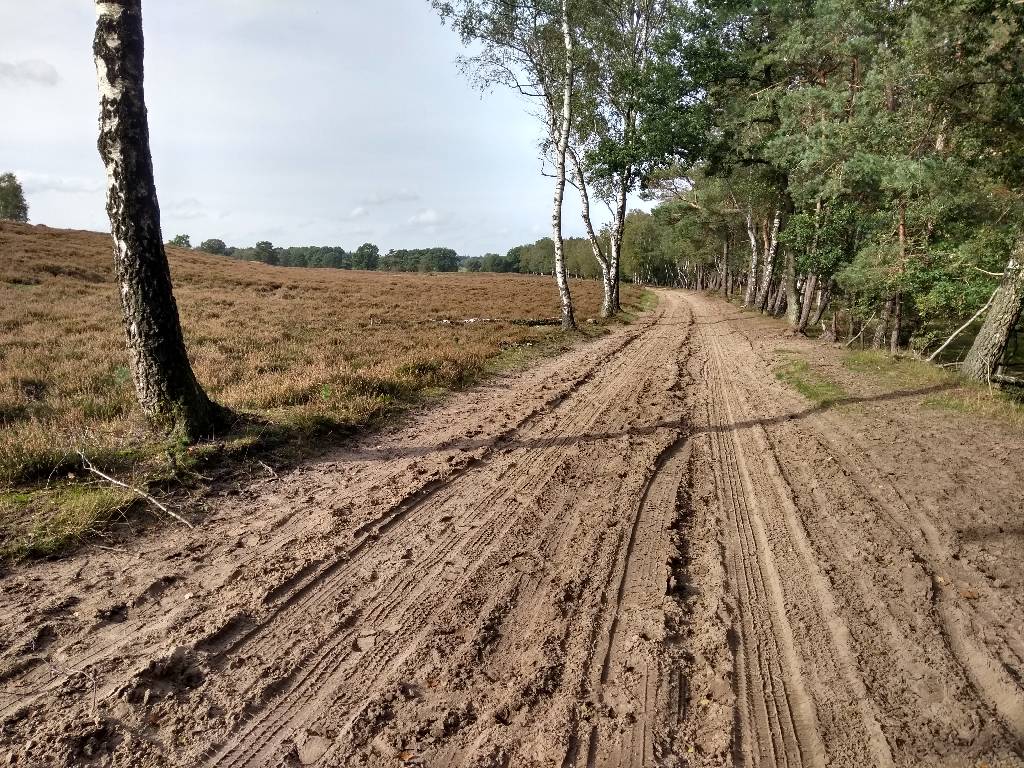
959	330
1002	378
862	328
88	465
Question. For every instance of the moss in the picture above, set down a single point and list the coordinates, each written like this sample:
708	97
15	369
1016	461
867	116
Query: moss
798	374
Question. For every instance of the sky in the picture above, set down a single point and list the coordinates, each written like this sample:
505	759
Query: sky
322	122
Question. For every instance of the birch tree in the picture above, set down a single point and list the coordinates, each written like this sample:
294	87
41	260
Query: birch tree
529	46
989	345
167	390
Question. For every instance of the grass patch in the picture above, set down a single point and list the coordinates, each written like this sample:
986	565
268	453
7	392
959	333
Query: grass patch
901	371
959	396
799	375
46	523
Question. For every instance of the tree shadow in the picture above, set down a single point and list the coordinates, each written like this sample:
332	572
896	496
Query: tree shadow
642	431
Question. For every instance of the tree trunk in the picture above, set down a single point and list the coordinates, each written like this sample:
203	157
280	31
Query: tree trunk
793	312
990	343
770	249
897	324
778	303
883	324
167	389
608	304
561	147
618	231
748	297
805	310
823	302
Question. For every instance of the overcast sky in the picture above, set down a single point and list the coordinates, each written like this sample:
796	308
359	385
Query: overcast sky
322	122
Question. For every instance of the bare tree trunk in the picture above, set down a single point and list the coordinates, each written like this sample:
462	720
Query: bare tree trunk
805	309
166	387
771	247
778	304
608	304
883	324
897	324
748	298
793	312
618	231
561	147
990	343
823	302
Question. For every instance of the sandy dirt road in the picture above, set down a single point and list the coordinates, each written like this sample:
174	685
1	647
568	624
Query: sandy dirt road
645	552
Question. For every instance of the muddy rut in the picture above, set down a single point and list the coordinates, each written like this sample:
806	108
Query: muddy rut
646	552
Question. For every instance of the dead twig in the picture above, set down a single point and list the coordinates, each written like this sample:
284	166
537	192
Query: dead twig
267	467
142	494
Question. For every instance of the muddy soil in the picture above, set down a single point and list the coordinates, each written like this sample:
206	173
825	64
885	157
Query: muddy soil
646	552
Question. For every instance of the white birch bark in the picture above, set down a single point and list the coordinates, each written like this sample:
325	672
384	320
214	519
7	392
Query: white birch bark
561	146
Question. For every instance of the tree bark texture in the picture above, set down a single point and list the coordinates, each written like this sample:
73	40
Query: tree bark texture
990	344
770	249
166	386
792	298
748	297
805	309
608	303
561	148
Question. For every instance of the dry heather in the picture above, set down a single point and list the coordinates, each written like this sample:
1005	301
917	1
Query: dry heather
303	349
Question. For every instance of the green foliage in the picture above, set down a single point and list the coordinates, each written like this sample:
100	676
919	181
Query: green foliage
12	199
366	256
214	246
420	260
180	241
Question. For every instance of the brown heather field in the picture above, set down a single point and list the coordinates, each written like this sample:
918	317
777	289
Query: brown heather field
301	352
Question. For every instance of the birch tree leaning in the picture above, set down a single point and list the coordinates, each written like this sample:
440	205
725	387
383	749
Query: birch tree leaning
1006	306
167	390
528	46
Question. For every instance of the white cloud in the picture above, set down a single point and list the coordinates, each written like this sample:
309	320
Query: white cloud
32	72
427	217
356	213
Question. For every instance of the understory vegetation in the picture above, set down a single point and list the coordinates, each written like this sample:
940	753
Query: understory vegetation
299	355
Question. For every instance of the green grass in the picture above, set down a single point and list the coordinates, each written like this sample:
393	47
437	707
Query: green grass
799	375
959	395
902	371
50	521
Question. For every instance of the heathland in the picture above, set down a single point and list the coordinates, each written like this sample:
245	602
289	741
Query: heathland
304	355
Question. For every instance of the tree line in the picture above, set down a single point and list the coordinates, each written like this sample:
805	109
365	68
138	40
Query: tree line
852	161
367	256
838	161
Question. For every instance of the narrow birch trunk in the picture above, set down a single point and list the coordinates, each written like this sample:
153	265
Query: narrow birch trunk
793	313
618	231
561	147
607	305
167	390
823	302
990	344
805	310
748	298
770	250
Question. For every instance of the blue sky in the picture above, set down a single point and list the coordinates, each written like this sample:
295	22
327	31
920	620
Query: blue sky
316	122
